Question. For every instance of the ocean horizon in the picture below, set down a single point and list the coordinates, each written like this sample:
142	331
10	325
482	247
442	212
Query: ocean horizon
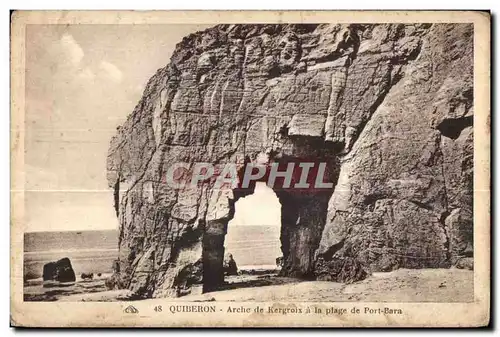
93	251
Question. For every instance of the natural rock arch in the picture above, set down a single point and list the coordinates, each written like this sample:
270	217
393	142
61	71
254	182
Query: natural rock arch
370	99
303	218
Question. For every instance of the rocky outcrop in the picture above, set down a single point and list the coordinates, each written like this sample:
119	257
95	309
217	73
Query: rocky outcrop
229	265
388	107
346	270
404	195
87	276
59	271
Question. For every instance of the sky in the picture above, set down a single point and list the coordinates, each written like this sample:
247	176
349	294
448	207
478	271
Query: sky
262	208
81	83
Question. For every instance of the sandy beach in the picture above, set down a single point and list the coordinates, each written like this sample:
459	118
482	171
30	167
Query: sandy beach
35	291
403	285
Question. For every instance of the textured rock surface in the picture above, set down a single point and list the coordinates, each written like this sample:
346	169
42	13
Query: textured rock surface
59	271
388	107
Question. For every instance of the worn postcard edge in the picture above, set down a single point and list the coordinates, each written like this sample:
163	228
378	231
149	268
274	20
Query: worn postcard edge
111	314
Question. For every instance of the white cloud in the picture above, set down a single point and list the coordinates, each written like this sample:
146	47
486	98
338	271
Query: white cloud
111	71
71	49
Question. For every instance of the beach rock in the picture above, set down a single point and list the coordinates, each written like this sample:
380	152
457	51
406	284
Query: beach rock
87	276
345	270
465	263
115	281
59	271
230	267
388	108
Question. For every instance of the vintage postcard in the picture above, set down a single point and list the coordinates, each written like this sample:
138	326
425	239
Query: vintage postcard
250	169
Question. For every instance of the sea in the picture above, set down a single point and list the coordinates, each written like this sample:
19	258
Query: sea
252	247
88	251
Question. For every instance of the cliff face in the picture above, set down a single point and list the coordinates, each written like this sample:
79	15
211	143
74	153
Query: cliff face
388	107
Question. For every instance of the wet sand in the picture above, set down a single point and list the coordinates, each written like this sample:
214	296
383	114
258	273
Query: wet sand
35	291
403	285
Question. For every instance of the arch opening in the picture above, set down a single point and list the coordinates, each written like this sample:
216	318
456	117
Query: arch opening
302	216
253	235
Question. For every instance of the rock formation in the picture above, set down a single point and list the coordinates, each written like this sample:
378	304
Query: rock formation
87	276
229	265
59	271
388	107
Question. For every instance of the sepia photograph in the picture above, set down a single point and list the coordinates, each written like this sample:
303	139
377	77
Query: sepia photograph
303	168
